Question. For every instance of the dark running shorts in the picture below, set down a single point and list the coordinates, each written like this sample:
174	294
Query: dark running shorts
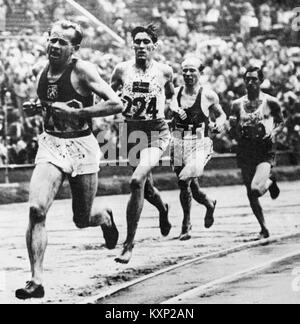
254	153
250	155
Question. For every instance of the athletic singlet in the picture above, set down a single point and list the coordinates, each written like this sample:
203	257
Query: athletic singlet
195	114
62	91
144	92
259	124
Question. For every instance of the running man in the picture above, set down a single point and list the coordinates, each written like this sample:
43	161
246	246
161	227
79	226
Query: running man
256	119
197	110
67	148
145	86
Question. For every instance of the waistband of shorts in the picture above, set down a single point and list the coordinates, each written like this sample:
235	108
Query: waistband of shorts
186	128
70	135
145	121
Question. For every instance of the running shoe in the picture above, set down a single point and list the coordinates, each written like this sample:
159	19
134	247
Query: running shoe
32	290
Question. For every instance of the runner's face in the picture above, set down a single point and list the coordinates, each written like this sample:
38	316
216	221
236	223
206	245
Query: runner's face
143	46
60	47
252	82
191	74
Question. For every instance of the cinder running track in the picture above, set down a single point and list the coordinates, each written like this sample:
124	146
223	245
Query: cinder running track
77	265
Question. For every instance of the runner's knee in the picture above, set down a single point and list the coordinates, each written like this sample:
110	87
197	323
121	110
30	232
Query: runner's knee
136	183
37	214
80	220
149	191
257	190
81	225
195	189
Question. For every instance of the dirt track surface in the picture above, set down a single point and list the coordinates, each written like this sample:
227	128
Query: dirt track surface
278	285
77	265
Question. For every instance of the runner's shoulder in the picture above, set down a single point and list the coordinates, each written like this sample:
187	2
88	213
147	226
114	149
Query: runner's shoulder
38	70
85	67
210	95
165	68
39	67
122	67
238	102
177	89
271	99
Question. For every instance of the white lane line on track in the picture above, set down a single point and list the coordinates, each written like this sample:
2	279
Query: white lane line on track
213	285
119	288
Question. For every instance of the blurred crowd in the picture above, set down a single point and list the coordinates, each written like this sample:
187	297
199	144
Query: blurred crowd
179	18
224	58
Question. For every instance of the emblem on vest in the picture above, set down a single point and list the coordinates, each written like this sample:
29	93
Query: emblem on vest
52	92
141	87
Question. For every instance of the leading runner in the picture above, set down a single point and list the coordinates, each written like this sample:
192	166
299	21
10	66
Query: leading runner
67	148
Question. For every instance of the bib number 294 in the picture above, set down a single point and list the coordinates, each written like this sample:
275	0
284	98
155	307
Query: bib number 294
140	107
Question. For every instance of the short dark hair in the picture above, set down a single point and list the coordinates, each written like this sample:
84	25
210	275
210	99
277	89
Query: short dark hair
67	24
259	71
151	30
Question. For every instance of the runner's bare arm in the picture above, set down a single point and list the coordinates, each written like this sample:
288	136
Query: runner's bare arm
216	111
30	107
174	107
92	81
276	113
234	119
171	95
169	86
117	78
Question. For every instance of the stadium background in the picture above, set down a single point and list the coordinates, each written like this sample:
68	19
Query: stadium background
226	35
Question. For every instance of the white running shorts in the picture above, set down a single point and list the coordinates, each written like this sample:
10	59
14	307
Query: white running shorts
76	156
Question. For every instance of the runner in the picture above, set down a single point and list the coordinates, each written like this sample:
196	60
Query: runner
67	149
256	120
195	109
145	86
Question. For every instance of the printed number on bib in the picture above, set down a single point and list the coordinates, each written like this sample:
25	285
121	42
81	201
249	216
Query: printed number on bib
140	106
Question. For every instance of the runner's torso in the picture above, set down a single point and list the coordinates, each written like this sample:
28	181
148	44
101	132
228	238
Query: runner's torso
255	125
143	92
195	115
62	90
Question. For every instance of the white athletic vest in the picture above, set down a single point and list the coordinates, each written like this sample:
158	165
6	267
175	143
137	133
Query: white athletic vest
261	116
144	92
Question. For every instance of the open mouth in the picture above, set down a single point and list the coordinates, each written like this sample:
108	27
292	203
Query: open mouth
54	55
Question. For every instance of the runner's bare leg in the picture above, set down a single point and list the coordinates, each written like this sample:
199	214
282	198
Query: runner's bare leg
84	190
261	182
204	200
186	203
257	185
153	196
45	184
149	159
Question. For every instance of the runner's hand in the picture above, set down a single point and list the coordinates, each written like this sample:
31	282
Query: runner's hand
220	128
215	128
182	114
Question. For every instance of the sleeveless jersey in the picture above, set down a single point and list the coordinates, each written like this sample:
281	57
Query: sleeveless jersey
257	125
62	91
195	114
144	92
